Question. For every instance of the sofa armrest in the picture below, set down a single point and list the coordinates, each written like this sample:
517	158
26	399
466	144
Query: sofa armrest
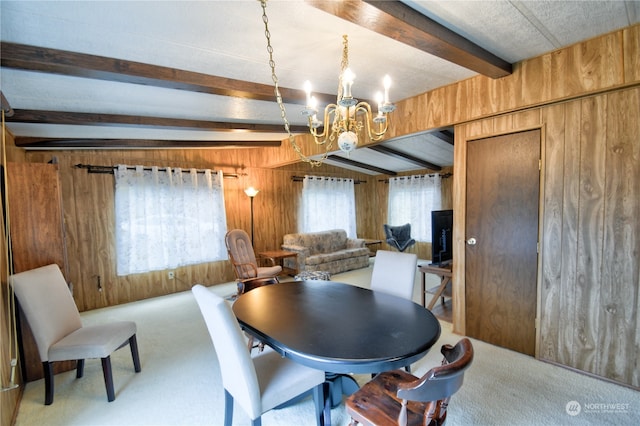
355	242
302	251
300	260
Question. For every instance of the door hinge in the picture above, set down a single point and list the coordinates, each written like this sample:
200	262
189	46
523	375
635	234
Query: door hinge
539	164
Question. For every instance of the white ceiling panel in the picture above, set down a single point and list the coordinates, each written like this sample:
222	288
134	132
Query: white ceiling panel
227	39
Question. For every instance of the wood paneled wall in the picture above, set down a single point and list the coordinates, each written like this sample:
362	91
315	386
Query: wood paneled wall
9	399
88	201
589	270
580	334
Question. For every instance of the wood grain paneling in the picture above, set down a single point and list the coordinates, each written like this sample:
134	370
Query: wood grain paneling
471	106
590	231
618	327
631	42
589	282
8	399
37	239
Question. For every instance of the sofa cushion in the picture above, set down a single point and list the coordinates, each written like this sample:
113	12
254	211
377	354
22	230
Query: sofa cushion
317	259
318	242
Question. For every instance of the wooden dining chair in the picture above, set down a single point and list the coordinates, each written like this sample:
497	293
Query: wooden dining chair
397	398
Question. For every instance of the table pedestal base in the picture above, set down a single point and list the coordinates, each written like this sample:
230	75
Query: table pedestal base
339	385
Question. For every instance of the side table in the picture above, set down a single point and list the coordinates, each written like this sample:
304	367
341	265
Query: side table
369	243
277	257
444	272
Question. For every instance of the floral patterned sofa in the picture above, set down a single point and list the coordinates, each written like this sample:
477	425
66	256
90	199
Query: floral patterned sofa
329	251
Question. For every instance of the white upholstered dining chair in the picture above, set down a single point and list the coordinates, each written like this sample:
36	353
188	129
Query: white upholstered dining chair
259	383
394	273
52	314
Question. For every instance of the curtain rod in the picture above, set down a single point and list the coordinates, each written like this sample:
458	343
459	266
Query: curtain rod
110	170
301	178
443	176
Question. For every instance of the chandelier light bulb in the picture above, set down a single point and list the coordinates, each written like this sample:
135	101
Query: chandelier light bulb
379	100
347	81
386	81
307	90
380	117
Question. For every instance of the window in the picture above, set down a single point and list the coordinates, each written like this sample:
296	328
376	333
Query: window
166	218
327	203
411	200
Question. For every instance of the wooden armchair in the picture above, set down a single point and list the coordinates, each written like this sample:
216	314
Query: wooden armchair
397	398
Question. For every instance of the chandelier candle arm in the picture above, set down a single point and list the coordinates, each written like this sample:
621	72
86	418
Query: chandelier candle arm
350	117
345	119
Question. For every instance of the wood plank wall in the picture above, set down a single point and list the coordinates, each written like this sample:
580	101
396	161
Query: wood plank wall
589	299
88	201
589	281
594	66
9	399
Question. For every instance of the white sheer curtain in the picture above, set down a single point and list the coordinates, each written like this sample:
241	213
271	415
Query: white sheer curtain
166	218
327	203
411	200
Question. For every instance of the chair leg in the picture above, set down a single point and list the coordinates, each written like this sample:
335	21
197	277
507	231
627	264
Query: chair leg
108	378
48	382
79	368
133	343
228	408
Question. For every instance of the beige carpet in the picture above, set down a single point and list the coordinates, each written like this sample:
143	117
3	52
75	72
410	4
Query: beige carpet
180	383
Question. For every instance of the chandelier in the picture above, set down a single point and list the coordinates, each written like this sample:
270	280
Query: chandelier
345	119
348	117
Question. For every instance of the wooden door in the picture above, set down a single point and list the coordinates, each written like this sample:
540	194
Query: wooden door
37	239
503	184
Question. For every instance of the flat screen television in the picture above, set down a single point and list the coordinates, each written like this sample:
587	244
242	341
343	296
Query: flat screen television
441	237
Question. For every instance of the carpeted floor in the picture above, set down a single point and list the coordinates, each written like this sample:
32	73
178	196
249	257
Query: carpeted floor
180	382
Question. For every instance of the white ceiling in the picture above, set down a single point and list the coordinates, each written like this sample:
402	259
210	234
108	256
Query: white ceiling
227	38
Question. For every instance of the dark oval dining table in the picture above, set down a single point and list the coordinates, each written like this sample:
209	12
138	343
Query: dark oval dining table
337	327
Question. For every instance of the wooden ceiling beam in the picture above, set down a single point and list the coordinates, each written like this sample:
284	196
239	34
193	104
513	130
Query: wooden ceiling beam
49	143
445	135
402	23
91	119
404	156
360	165
55	61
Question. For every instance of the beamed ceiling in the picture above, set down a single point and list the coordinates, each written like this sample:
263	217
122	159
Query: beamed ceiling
182	74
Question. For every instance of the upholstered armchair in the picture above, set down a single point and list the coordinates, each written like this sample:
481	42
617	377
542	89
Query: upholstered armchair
54	319
399	236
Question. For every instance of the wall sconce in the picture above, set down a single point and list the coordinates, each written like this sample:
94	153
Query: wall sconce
251	193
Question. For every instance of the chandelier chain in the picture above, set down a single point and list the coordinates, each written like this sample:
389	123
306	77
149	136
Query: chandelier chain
283	112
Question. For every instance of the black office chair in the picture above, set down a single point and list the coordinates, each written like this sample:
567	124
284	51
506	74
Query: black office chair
399	398
399	236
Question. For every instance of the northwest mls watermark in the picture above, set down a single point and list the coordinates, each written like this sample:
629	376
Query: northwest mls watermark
575	408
